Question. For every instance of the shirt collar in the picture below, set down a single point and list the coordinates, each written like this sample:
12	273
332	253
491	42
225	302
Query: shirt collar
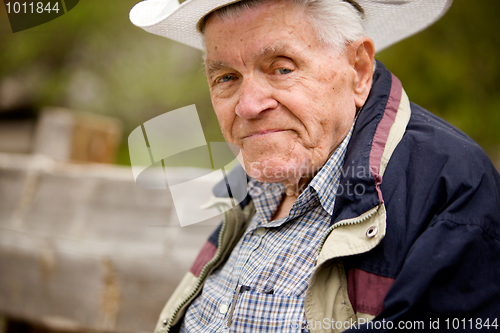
326	181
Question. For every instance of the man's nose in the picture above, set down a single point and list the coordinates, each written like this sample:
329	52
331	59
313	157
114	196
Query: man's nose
255	97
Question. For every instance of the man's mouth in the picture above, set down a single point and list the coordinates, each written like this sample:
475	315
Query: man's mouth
257	134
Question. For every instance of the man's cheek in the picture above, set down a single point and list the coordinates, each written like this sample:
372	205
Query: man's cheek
226	128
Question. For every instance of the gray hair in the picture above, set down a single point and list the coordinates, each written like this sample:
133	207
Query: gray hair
336	22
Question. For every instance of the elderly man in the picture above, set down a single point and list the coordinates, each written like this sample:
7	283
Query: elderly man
380	216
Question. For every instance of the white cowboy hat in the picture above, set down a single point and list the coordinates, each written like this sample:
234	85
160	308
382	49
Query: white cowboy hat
386	21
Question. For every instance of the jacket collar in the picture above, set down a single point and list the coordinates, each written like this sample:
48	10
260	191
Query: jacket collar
368	152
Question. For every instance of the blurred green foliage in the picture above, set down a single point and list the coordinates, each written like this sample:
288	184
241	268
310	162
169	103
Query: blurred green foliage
93	59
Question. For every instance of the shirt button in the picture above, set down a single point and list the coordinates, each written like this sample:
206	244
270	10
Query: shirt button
260	231
223	308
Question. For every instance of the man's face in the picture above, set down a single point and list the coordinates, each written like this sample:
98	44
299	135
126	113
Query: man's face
284	98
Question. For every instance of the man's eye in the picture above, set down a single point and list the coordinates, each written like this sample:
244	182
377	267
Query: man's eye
225	78
283	71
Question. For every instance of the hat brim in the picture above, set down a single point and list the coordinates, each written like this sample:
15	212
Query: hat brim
386	21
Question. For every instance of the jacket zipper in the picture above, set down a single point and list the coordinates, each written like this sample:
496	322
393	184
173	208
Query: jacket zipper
363	217
201	277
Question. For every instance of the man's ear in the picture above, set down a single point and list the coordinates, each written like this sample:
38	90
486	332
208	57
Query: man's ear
361	58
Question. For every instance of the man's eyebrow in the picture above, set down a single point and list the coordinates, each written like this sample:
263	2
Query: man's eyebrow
282	50
214	66
276	49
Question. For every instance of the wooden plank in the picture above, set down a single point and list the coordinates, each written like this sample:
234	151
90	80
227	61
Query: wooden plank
69	135
83	247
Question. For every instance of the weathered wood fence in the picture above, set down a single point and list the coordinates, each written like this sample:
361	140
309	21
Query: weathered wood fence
83	248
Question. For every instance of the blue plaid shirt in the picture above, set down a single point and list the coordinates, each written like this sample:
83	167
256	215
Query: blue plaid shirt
262	285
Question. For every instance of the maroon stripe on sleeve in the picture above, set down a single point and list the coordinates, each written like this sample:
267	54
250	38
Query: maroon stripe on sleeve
382	133
207	252
367	291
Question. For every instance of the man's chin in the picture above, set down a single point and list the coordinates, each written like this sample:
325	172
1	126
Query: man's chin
266	179
274	172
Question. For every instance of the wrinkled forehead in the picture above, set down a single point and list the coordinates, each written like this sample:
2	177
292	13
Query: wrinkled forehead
262	33
220	27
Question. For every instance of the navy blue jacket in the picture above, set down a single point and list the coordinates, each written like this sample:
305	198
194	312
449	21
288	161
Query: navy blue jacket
441	250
